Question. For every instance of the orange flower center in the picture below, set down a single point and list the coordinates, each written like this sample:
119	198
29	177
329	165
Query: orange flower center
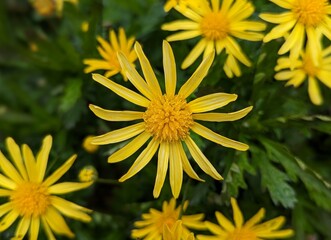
30	199
215	26
309	67
168	118
242	234
310	12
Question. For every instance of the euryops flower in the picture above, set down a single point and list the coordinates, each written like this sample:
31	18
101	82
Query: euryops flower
49	7
109	50
250	230
304	20
31	197
175	232
167	120
218	25
296	72
157	224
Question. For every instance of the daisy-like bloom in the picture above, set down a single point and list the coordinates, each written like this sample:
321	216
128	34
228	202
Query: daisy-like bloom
250	230
32	198
304	19
296	72
109	50
218	25
167	121
176	232
49	7
88	174
157	224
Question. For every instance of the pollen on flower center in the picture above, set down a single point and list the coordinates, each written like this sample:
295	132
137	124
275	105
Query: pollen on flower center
168	118
215	26
242	234
309	66
30	199
310	12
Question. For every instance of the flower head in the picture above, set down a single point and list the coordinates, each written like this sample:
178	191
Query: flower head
109	50
88	174
157	224
249	230
304	20
32	197
167	120
218	25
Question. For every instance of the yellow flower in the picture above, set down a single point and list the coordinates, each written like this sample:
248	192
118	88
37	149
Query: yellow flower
88	174
175	232
304	20
167	120
296	72
48	7
109	51
218	26
31	197
155	223
250	230
88	146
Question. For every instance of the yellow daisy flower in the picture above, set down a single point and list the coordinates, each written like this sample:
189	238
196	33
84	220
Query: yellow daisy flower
218	25
168	120
31	197
250	230
176	232
49	7
109	51
296	72
304	20
157	224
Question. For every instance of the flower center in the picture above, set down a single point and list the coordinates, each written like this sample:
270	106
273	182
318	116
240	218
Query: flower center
44	7
310	12
215	26
30	199
168	118
167	220
309	66
242	234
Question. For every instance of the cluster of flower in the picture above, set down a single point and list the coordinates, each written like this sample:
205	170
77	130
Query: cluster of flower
169	118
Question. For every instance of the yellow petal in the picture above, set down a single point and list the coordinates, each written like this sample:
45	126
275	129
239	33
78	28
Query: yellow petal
169	66
5	193
115	116
175	170
57	223
211	102
194	54
313	44
113	40
234	49
148	71
325	77
119	135
30	163
134	76
222	117
277	18
194	81
142	160
129	148
42	157
34	228
183	35
71	209
314	91
67	187
15	153
224	222
60	171
212	136
237	215
201	159
180	25
122	91
162	168
296	35
7	183
215	229
9	169
5	208
283	3
22	228
8	220
48	231
187	166
279	31
270	225
255	219
277	234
